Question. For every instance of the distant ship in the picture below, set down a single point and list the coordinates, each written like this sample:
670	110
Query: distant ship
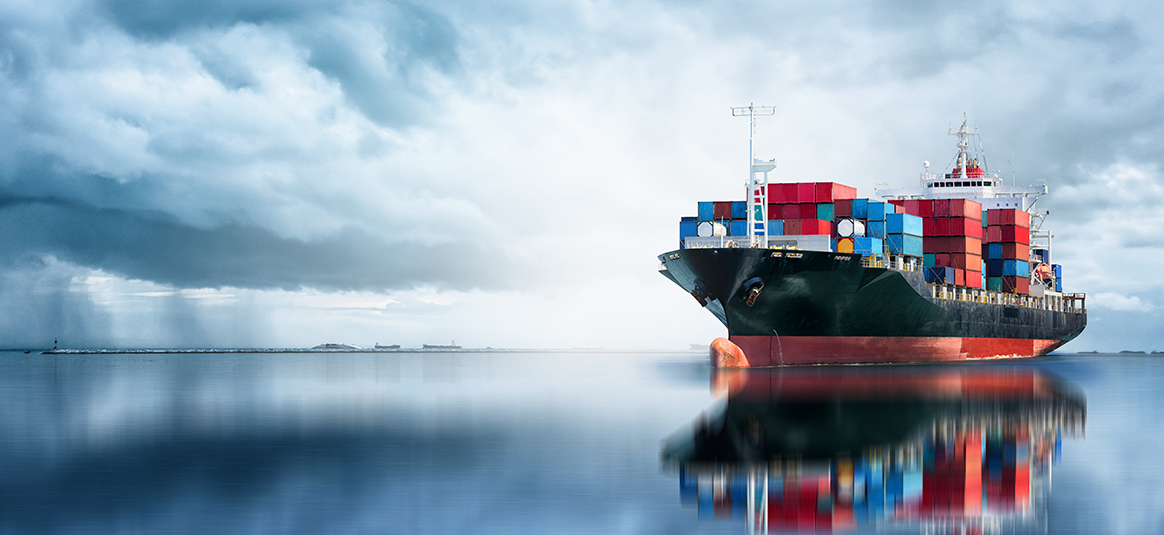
336	347
453	345
956	269
393	346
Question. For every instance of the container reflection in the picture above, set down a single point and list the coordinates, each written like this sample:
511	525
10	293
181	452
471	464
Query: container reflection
964	449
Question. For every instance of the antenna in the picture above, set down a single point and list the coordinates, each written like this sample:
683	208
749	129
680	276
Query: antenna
757	189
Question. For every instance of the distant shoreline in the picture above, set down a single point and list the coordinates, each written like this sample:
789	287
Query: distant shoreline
328	351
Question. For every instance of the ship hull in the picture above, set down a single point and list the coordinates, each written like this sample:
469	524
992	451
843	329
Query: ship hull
803	307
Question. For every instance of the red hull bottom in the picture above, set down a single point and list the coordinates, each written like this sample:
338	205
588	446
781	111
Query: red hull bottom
804	350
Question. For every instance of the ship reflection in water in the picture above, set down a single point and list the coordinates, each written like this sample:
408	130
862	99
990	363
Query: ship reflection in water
965	449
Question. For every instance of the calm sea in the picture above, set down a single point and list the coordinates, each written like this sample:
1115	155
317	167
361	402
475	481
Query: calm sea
574	443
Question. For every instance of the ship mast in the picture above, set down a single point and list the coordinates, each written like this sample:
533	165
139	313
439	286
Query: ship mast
963	134
757	187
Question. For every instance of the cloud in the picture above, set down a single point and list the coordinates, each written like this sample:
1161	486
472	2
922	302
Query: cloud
1116	301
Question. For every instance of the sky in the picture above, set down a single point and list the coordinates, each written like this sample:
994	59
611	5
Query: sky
261	173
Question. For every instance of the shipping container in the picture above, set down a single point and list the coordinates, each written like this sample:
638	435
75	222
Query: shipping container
843	208
1018	285
845	245
941	207
966	208
875	229
929	228
1016	251
939	275
1015	268
928	260
806	192
706	210
826	211
877	210
993	234
1059	285
973	279
789	193
816	226
867	246
1058	270
903	224
964	226
792	227
1013	234
942	260
739	209
807	211
790	211
723	210
775	227
962	244
827	192
903	244
994	283
942	226
1042	255
739	228
1012	216
966	261
688	228
959	277
850	228
861	208
707	229
994	251
994	268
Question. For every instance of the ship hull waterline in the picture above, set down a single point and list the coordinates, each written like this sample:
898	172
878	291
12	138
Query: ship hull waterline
788	308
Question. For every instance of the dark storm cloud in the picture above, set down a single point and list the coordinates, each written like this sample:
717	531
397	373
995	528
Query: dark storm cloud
156	247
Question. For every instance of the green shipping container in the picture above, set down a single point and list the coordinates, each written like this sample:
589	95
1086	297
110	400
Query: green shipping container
994	284
928	260
826	211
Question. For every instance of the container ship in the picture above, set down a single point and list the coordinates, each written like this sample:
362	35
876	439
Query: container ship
962	449
956	269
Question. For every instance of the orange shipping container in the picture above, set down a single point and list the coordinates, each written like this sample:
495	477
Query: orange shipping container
845	245
966	208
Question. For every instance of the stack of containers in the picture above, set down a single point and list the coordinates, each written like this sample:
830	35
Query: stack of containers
1008	236
903	233
953	244
805	208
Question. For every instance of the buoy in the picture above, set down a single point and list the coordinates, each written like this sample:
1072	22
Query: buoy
725	354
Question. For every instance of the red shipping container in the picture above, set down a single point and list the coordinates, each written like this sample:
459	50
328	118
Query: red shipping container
792	227
789	211
926	207
722	209
942	260
816	226
896	202
807	211
964	226
942	226
1015	235
913	207
974	280
805	192
843	208
966	261
993	234
993	216
1016	251
966	208
941	207
1012	216
788	193
776	194
964	244
827	192
930	245
1018	285
928	227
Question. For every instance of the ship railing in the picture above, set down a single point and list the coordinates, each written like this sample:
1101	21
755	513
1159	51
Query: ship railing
1073	303
895	262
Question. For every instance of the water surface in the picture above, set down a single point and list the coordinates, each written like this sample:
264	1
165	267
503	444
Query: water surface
456	443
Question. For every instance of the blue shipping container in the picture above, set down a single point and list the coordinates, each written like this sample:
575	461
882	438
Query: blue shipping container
860	208
1015	268
867	246
1058	270
775	227
994	268
1043	255
903	244
903	224
706	211
738	228
878	210
940	275
994	251
1059	285
739	209
875	229
687	228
